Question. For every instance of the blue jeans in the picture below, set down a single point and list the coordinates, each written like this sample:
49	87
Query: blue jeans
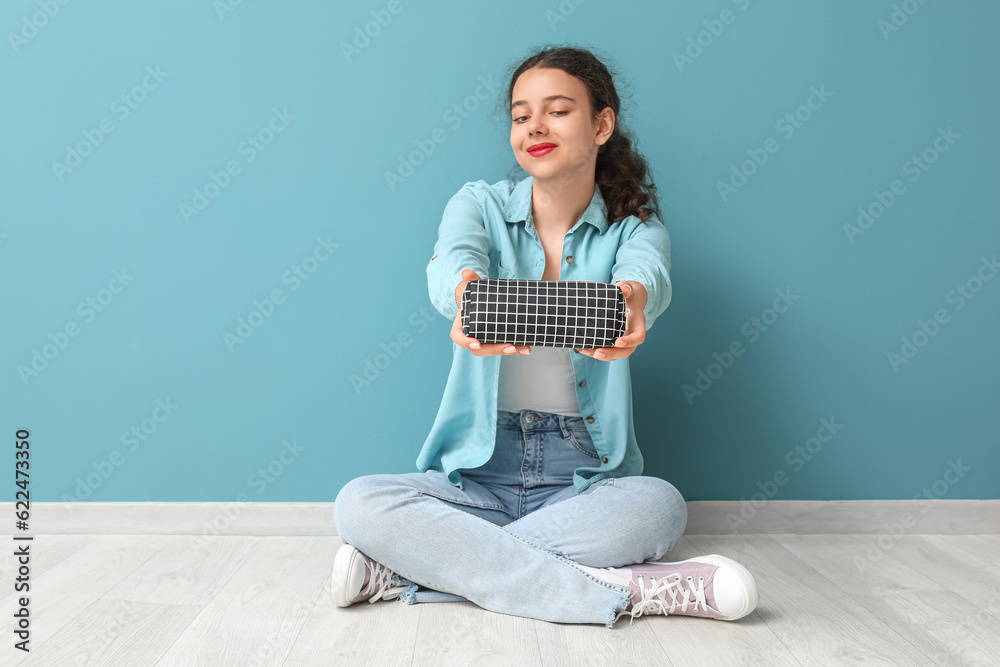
510	540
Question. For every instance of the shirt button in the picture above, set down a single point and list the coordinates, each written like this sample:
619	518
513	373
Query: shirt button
604	459
583	383
590	420
569	258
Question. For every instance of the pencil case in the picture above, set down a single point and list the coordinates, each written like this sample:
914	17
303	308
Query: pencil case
582	314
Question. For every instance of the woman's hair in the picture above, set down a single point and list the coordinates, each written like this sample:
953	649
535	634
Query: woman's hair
621	170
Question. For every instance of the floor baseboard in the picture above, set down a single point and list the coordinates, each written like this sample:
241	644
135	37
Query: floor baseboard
804	517
705	517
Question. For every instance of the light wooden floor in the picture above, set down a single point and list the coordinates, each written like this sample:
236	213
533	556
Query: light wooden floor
158	600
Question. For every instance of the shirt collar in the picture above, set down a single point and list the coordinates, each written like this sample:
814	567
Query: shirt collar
518	207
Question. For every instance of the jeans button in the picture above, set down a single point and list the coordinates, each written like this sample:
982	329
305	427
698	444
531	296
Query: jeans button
528	419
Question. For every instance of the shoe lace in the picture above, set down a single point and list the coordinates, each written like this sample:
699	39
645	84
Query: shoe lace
380	583
654	596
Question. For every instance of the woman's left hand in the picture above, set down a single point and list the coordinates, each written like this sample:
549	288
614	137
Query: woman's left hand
635	325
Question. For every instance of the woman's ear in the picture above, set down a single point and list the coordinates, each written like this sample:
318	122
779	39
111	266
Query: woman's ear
605	125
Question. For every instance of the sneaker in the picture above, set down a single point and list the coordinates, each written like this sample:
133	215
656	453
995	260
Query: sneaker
357	578
708	586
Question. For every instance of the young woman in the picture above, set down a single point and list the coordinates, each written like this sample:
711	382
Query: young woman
530	499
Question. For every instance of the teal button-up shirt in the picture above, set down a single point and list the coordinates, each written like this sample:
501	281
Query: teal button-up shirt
489	229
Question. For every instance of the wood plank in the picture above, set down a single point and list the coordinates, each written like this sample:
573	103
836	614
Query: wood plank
572	644
46	551
256	616
114	632
463	633
917	608
985	547
189	571
62	592
954	568
382	633
355	635
812	617
954	633
317	656
837	558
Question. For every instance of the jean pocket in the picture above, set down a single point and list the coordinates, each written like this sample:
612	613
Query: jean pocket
581	440
473	495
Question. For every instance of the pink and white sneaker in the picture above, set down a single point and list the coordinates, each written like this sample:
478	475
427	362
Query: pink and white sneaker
710	586
357	578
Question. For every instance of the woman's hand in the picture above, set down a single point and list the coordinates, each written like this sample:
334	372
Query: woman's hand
471	344
635	324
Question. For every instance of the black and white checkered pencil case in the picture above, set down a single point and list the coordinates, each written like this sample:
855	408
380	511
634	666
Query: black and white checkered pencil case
582	314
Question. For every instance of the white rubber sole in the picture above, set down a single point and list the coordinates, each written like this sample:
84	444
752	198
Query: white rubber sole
344	578
736	586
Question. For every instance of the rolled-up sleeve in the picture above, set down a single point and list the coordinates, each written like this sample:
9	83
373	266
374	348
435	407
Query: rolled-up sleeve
645	258
463	243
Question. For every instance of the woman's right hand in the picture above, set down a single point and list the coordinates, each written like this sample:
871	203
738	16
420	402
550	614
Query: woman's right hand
471	344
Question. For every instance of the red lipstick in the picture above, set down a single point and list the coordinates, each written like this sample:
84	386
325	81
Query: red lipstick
539	150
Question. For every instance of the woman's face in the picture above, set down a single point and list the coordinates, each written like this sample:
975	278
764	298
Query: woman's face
551	107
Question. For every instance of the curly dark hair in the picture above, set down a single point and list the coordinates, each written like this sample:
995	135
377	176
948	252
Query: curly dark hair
621	170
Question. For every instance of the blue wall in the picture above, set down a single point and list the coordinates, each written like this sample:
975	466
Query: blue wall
151	398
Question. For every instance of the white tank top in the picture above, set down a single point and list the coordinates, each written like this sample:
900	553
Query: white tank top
543	381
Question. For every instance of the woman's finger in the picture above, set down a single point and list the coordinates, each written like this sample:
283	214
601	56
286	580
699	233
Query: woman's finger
631	339
500	348
608	353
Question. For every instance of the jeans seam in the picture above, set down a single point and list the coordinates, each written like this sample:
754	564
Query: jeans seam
487	506
565	560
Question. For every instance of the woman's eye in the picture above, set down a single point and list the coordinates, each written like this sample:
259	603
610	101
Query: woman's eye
514	120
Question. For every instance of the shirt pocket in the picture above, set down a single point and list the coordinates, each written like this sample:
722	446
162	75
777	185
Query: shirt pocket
504	272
